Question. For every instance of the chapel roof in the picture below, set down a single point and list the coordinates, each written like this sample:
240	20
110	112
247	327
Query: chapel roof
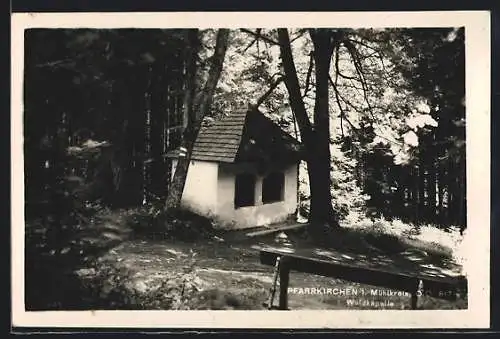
243	135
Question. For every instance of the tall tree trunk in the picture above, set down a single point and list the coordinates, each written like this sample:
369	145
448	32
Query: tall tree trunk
422	208
429	177
452	202
459	195
463	197
402	194
432	189
320	161
441	190
196	111
146	167
116	158
317	141
190	83
293	87
414	193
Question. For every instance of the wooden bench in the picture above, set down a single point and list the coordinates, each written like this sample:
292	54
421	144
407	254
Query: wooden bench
380	271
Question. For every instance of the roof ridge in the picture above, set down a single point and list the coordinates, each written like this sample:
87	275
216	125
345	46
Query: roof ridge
222	139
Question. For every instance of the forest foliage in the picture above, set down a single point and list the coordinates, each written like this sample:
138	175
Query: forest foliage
103	107
397	114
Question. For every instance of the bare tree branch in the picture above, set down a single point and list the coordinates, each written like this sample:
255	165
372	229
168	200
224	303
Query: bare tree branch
269	91
300	34
334	86
250	45
342	125
365	45
338	69
257	37
380	57
339	97
359	69
346	101
56	63
343	116
349	86
260	36
293	87
275	74
309	72
342	112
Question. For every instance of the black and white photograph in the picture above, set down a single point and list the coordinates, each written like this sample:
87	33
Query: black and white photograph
311	166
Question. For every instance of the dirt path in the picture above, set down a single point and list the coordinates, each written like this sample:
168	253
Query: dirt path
228	275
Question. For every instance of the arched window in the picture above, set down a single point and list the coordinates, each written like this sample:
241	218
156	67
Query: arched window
244	190
273	187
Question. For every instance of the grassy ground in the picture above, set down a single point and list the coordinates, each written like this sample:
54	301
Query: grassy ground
139	267
225	272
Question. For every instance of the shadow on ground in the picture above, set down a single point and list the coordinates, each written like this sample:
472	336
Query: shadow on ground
115	263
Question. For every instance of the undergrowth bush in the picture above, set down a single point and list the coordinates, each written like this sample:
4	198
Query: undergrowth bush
153	223
116	288
219	299
348	199
57	216
426	237
52	249
111	287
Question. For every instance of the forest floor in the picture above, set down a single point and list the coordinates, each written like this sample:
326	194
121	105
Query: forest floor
222	271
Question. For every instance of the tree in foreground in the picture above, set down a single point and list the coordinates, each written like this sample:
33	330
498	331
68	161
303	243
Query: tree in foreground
196	106
364	91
